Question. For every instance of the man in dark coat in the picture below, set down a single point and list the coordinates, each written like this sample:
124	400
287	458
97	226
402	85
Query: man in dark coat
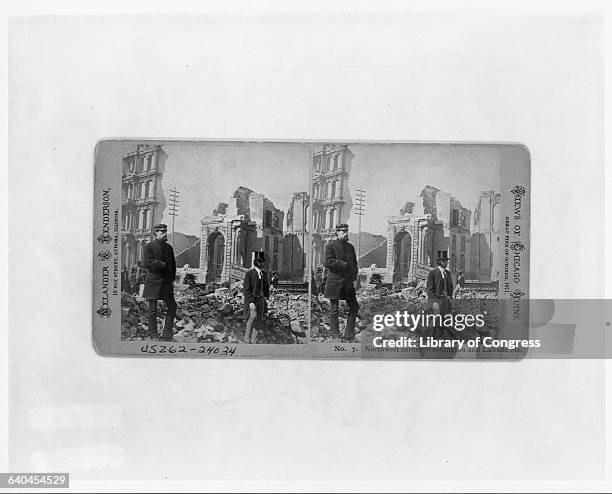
256	289
342	269
159	281
440	285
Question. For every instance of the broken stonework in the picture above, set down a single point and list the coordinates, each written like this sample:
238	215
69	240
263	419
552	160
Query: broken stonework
382	301
217	316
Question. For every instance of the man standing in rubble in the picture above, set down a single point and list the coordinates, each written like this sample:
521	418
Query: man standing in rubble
256	289
342	267
440	287
159	281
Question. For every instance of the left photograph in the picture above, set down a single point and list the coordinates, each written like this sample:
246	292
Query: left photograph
212	242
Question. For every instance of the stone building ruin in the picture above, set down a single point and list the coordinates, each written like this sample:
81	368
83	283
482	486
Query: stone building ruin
437	222
331	197
142	199
248	223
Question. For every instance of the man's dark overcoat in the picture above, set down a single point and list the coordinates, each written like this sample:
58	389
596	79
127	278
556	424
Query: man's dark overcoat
342	269
435	283
161	270
256	291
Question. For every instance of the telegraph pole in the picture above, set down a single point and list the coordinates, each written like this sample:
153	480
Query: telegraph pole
173	207
359	211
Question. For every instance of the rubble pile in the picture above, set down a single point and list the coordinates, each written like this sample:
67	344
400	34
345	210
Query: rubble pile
319	318
134	325
383	301
216	315
291	310
371	302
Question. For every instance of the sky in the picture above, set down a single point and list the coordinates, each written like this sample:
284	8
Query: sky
206	174
393	174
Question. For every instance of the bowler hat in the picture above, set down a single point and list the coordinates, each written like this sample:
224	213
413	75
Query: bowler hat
342	227
159	227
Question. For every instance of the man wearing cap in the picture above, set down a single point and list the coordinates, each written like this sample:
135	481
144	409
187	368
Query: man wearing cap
256	289
159	281
341	264
440	285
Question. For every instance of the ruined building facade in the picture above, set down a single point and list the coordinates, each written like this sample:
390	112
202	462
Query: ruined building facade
142	199
484	242
331	198
437	222
296	237
228	238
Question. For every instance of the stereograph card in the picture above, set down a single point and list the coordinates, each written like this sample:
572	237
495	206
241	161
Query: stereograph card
351	250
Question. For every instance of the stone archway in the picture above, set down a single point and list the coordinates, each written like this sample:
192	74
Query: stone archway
402	256
215	246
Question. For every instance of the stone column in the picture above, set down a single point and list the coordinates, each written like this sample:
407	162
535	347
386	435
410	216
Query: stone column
390	239
228	250
204	250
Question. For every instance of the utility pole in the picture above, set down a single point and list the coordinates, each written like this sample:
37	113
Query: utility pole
359	211
173	207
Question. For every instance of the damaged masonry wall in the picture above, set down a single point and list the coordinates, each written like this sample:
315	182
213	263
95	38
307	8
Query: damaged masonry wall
484	240
249	222
295	240
142	199
435	222
331	196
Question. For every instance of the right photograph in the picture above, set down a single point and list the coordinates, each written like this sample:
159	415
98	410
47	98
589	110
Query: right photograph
403	229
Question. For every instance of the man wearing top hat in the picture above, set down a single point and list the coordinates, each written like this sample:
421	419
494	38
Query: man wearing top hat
342	267
440	285
256	289
159	281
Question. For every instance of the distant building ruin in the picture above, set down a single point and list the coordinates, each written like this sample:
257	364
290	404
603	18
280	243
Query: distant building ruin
331	197
248	223
437	222
484	241
295	239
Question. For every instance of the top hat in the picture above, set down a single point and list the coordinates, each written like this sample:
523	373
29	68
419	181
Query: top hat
259	256
160	227
342	227
442	255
